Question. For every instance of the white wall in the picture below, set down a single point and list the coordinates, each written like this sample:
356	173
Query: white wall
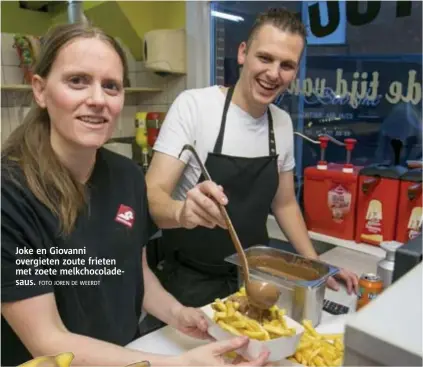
198	43
14	105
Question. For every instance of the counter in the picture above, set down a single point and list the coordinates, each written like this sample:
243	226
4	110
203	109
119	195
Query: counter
276	233
388	331
168	341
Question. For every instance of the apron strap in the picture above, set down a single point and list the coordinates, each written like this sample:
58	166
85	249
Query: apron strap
272	144
219	142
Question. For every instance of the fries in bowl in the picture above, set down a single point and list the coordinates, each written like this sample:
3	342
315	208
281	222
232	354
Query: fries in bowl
229	317
272	329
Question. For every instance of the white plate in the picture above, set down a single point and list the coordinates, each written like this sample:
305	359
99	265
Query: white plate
279	348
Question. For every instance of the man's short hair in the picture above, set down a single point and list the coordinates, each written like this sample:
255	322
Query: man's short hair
280	18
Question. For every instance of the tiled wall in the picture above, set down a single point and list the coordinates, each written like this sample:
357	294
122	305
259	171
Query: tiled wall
14	105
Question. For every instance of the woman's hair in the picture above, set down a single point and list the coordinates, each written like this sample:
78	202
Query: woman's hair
29	145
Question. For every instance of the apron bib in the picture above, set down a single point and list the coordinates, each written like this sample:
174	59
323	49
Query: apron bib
196	256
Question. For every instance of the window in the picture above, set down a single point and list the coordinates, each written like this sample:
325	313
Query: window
360	76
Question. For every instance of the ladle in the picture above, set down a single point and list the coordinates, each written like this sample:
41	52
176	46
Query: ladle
261	295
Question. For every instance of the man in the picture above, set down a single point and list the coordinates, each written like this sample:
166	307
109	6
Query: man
247	146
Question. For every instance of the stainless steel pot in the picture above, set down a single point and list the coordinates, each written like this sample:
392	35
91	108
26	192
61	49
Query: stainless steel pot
301	295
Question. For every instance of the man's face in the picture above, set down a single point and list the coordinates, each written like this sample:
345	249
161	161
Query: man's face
270	64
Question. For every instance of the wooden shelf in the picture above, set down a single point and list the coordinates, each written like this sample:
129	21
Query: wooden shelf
27	88
275	232
155	69
142	90
16	87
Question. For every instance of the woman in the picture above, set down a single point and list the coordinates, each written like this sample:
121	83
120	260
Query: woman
75	220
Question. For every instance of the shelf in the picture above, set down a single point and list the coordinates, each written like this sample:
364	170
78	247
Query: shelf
142	90
275	232
16	87
27	87
122	140
155	69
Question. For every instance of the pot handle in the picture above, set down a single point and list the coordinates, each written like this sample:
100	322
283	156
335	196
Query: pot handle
333	270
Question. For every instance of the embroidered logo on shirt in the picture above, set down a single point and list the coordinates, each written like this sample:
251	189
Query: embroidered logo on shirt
125	215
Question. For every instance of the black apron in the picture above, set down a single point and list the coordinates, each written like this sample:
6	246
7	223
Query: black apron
194	269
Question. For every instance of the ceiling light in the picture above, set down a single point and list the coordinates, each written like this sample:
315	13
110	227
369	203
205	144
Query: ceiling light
234	18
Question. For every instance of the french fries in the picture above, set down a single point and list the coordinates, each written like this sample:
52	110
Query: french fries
313	350
317	349
228	317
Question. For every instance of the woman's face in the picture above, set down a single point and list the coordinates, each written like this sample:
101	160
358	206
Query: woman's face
83	93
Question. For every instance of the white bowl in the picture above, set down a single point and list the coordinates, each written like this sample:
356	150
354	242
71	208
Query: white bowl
279	348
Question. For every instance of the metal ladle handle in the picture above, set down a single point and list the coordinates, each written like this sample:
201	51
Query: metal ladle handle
202	167
232	232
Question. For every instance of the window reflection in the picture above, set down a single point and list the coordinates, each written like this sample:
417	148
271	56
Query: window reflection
367	86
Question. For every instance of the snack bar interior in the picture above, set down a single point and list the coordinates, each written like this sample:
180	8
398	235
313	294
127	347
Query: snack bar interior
356	109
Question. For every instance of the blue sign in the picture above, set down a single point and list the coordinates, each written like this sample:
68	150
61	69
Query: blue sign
334	38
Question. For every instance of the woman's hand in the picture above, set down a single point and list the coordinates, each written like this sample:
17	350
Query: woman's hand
348	277
190	321
212	354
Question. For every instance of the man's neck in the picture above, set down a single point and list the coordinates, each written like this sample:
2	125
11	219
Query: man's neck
243	100
80	162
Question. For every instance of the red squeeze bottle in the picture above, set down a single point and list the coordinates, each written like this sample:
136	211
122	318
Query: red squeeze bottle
153	127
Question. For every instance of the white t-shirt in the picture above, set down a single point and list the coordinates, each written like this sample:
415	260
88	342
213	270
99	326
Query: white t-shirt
195	118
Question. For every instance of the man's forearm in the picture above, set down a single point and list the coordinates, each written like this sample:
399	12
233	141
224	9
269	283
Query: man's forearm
291	222
163	209
157	301
93	352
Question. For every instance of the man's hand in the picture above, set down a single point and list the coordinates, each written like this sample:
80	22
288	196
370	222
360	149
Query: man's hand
349	278
200	207
190	321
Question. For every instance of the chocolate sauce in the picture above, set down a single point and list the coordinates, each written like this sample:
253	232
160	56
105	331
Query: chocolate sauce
245	308
280	267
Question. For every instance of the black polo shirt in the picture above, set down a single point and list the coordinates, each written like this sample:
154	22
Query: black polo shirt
95	273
